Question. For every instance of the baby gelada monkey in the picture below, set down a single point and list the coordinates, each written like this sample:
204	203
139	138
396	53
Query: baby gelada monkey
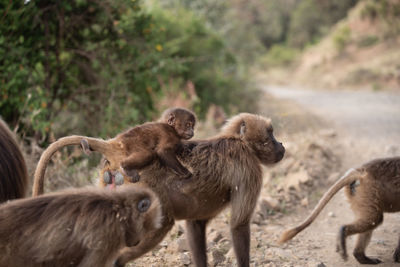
144	143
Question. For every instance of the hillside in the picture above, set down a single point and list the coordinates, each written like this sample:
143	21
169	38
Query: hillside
360	51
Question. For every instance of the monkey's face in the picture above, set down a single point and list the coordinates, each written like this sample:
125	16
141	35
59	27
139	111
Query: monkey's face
182	120
185	128
257	132
147	215
268	149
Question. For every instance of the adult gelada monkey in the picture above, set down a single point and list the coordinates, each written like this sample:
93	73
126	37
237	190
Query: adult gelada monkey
13	171
133	149
372	189
226	171
79	227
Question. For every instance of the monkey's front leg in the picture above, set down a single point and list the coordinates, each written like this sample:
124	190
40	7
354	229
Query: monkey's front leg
136	160
196	234
145	245
241	243
168	157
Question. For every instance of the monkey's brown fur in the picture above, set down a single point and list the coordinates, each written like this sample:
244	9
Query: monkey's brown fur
226	170
133	149
372	189
13	172
81	227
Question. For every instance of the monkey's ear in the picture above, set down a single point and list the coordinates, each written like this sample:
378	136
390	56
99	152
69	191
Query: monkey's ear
171	119
242	130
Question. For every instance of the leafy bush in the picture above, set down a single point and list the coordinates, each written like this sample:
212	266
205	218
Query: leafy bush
96	67
367	41
280	55
386	10
342	37
313	18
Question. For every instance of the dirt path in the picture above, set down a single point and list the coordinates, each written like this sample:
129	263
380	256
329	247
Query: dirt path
368	126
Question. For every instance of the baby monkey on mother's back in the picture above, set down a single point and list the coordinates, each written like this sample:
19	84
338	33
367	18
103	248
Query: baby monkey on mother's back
143	143
131	150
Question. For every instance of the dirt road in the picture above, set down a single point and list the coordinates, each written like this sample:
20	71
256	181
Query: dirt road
368	125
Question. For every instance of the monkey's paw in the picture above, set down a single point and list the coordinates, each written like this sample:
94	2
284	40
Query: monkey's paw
132	174
117	264
396	255
361	258
341	244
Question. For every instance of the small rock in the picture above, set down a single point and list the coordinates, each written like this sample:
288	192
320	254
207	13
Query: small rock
304	202
215	236
333	177
392	150
230	254
181	230
321	264
328	133
282	253
294	180
224	245
268	204
331	214
257	219
164	244
217	257
179	244
182	244
380	242
185	258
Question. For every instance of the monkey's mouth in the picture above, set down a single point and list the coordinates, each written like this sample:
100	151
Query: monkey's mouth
187	136
279	154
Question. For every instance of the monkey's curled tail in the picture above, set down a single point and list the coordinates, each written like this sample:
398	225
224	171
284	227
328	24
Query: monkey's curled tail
349	177
38	182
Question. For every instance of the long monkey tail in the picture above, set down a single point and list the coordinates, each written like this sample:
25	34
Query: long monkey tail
349	177
96	144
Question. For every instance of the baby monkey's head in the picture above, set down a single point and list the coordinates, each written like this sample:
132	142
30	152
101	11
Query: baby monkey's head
183	121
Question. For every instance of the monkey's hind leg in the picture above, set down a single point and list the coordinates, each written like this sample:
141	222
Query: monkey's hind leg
136	160
360	226
361	245
396	255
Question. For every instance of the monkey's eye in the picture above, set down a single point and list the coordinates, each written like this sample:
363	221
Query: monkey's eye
144	205
266	143
188	125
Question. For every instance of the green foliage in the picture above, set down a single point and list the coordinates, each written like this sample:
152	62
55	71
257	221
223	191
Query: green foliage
313	18
387	11
204	58
230	20
368	40
97	67
342	37
280	55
